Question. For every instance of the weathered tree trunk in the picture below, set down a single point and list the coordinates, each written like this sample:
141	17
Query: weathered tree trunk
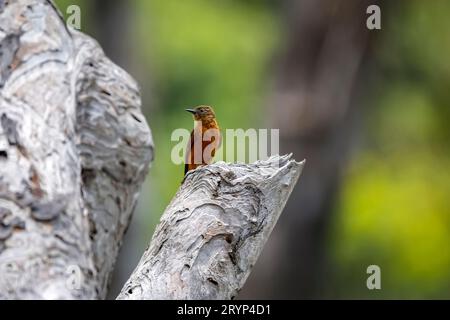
74	150
213	231
111	23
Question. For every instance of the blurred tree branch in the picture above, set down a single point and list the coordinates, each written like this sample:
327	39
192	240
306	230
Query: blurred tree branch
317	86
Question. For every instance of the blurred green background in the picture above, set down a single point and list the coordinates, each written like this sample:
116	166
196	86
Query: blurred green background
369	111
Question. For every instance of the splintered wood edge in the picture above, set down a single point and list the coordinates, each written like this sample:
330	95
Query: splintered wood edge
213	231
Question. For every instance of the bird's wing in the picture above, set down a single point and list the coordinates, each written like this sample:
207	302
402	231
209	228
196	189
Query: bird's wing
213	151
218	143
189	148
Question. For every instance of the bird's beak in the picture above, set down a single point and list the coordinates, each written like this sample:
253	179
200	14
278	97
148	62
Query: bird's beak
191	111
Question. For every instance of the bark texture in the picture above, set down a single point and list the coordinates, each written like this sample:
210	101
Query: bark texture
213	231
74	151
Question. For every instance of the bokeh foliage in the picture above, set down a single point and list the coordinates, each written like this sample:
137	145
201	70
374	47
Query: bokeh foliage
202	52
394	208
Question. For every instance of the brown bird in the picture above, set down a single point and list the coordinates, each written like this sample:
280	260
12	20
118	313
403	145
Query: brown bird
205	138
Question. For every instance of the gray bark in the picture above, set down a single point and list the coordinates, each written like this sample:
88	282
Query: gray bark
112	25
213	231
74	151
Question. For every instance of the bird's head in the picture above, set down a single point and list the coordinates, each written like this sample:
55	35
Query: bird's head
202	113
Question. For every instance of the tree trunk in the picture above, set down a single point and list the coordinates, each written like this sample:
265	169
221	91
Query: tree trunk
315	103
111	23
74	152
213	231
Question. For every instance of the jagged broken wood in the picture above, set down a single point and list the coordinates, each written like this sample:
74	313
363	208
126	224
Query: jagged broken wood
213	231
74	151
